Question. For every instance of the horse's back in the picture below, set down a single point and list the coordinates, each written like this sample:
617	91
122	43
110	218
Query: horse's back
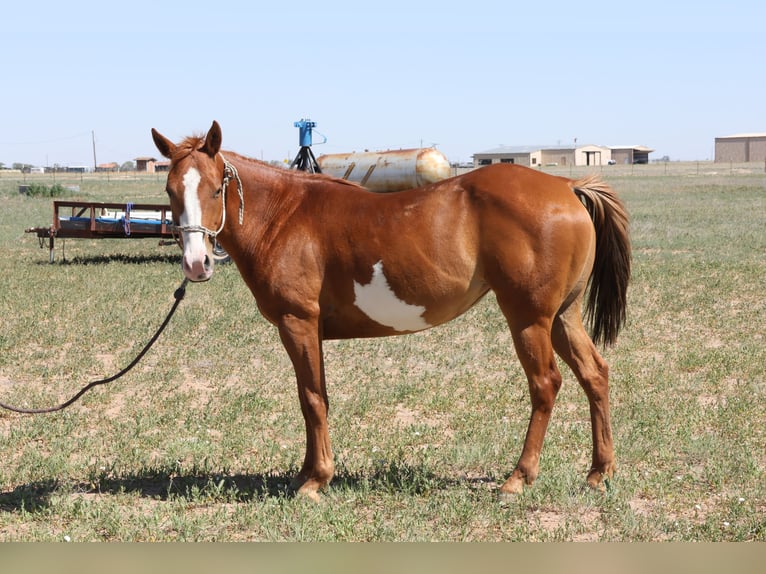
504	209
517	183
511	197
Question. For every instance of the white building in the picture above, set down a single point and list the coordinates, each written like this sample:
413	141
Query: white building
585	155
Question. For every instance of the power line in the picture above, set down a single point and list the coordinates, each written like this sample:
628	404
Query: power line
54	140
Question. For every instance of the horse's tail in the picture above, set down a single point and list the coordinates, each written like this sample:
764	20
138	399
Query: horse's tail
605	308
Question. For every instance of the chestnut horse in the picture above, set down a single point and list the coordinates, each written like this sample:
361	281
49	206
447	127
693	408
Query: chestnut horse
327	259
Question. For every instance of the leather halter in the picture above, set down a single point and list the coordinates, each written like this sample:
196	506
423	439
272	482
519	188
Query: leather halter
229	173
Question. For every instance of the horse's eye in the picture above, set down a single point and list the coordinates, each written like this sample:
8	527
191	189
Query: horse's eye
217	192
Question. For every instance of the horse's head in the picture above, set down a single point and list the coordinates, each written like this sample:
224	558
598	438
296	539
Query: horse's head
195	187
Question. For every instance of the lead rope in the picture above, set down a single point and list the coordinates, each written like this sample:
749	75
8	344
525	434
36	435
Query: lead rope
178	294
228	165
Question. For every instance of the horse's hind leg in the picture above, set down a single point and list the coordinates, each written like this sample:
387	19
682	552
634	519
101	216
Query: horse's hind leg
533	346
575	347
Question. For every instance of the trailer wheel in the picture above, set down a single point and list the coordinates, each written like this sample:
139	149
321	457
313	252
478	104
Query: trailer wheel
219	254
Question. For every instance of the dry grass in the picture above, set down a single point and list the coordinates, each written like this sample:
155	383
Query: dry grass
200	441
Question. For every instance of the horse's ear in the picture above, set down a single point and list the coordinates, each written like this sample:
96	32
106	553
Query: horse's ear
212	140
163	144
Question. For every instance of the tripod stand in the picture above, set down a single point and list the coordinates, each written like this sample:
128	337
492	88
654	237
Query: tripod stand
305	161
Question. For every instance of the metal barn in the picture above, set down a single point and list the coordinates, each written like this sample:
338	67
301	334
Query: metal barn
630	154
741	148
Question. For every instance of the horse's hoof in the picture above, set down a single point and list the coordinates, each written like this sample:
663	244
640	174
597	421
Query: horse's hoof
505	498
307	488
510	489
600	481
312	495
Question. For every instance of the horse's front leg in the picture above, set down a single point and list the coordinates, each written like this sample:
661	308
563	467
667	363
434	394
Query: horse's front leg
303	343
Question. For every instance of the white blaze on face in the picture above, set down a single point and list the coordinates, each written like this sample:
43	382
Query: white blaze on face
378	301
194	243
192	214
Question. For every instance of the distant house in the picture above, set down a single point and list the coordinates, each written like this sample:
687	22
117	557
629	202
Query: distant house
593	155
741	148
530	156
585	155
107	167
146	164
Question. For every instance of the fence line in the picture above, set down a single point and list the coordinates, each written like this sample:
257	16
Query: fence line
655	169
660	169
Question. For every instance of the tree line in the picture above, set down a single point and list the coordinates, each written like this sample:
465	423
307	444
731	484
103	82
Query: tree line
56	168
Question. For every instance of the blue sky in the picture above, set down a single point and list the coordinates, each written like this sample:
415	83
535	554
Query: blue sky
466	76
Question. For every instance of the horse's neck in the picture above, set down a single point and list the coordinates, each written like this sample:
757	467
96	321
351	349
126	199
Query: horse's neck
270	194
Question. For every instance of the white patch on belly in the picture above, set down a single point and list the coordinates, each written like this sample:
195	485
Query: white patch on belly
380	303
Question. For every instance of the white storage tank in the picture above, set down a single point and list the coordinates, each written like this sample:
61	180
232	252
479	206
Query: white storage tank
386	171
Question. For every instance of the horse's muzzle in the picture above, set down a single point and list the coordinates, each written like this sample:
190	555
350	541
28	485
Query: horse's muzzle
197	269
197	263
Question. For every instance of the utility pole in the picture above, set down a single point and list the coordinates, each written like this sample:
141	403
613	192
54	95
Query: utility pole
93	136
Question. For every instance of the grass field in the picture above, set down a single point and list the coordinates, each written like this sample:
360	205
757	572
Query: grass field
200	441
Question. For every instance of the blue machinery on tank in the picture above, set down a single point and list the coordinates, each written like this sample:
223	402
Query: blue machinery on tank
305	160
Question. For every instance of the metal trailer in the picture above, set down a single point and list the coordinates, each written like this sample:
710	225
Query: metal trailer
97	220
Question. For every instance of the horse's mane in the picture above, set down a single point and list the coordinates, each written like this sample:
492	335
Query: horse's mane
281	171
187	146
194	142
